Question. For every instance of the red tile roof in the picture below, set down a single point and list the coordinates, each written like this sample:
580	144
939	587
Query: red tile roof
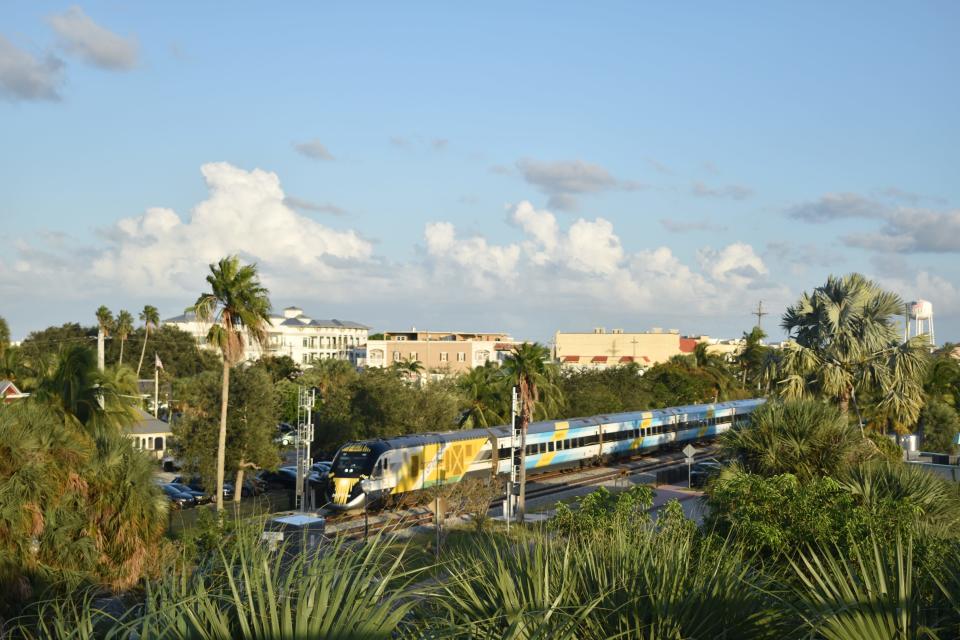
687	345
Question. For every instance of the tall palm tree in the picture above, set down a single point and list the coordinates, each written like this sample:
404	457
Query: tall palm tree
751	357
4	334
526	366
151	320
237	304
104	325
845	340
123	327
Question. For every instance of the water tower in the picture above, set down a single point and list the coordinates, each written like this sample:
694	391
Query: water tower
921	319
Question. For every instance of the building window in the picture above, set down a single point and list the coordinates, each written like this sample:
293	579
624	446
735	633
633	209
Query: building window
443	356
158	444
482	356
461	357
396	356
413	356
305	359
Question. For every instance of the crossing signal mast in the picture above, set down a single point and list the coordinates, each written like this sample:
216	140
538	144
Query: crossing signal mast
305	401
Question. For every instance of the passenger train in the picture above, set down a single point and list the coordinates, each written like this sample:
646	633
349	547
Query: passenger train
403	464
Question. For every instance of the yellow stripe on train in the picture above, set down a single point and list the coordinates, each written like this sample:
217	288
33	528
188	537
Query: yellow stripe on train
559	434
341	489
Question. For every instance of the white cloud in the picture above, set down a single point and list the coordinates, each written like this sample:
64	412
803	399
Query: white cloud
81	36
587	247
736	264
24	77
483	265
245	213
584	265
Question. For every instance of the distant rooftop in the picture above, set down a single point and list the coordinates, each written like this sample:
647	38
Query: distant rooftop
292	317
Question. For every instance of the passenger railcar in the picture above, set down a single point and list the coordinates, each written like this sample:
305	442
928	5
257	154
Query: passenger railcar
399	465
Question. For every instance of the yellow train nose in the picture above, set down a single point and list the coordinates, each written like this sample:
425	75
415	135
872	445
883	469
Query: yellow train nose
341	489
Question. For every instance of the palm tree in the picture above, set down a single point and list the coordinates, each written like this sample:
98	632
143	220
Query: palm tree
123	328
151	320
527	367
751	357
845	340
715	368
98	400
4	334
486	396
104	325
804	437
236	304
410	369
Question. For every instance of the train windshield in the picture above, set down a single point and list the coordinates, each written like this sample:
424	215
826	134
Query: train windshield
353	461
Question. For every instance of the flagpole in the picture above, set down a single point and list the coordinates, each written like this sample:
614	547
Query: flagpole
156	388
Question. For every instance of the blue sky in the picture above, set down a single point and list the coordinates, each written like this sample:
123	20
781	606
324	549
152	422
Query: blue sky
499	167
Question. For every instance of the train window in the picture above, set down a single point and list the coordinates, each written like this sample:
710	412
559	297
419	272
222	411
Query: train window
550	446
543	447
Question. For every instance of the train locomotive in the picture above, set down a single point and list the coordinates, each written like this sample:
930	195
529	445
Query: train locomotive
376	469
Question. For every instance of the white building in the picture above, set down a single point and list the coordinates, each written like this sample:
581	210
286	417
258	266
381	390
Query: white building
304	339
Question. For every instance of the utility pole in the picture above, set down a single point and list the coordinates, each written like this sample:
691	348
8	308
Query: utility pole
760	313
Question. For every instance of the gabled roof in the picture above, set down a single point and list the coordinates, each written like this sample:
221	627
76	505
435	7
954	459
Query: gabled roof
300	321
147	424
7	388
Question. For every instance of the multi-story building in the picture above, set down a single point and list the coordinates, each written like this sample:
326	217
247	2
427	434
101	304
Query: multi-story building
305	339
439	352
599	348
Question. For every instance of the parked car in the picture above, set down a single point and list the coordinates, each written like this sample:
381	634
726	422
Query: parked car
178	498
286	435
200	496
282	477
197	485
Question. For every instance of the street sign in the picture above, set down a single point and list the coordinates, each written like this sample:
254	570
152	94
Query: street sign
689	451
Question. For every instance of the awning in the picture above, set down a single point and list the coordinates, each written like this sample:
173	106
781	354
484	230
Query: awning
599	359
626	358
571	358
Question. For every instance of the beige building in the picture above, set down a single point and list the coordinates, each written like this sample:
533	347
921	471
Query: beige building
600	348
440	352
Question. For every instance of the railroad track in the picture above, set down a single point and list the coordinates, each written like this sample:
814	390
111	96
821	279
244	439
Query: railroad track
353	525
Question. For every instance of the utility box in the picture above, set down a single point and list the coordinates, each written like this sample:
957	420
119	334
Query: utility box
296	531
